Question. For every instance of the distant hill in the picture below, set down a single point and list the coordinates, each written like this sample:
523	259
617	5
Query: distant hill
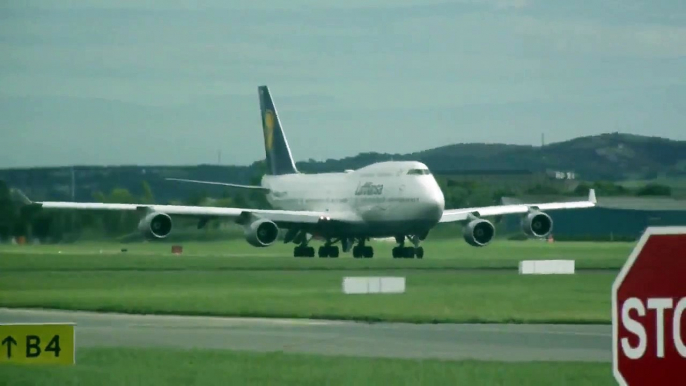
610	157
613	157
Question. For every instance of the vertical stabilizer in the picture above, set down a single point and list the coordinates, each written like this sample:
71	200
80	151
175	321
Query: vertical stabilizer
278	154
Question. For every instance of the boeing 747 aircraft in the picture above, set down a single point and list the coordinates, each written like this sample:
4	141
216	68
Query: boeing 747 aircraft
386	199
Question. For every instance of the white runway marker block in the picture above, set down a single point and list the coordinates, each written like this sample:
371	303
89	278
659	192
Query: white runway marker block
546	267
373	285
393	285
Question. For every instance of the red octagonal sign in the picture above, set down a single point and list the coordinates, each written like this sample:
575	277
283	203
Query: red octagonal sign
649	311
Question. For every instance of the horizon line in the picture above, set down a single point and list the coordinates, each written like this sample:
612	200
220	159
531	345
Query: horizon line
85	165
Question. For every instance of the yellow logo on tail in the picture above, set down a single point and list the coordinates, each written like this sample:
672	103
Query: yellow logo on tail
268	129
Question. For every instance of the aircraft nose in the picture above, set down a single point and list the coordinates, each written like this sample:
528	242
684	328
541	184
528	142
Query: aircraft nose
435	205
439	202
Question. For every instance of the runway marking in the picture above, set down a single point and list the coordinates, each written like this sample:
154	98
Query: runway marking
139	253
172	318
224	321
497	327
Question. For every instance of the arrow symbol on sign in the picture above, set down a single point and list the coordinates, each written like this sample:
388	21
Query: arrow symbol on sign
9	341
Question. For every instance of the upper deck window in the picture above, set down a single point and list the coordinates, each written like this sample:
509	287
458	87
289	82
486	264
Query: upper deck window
419	172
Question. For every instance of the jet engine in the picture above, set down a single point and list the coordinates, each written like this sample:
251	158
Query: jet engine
261	233
479	232
155	225
537	224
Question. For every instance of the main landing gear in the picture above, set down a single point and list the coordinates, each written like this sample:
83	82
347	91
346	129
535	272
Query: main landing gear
326	250
362	250
401	251
329	250
303	251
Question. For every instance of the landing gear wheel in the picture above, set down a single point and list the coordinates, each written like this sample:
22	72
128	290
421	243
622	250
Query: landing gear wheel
363	251
396	252
357	252
303	251
368	252
328	251
407	252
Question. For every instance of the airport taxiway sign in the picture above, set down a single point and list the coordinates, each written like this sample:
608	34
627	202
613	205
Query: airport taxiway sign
38	343
649	311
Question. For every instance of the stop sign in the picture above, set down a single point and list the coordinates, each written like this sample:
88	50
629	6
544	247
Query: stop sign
649	311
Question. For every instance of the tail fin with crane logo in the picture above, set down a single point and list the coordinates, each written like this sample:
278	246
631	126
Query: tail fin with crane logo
278	154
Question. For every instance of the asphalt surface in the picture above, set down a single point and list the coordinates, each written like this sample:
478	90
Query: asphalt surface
392	340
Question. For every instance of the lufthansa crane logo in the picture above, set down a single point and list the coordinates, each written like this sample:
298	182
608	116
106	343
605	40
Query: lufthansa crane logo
268	129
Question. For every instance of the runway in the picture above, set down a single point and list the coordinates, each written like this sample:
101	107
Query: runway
391	340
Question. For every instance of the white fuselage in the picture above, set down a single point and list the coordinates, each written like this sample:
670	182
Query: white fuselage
381	199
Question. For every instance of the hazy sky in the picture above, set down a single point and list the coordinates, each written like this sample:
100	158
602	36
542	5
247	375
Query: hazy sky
146	82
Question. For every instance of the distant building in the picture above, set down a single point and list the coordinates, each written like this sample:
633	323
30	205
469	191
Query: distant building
511	178
619	218
561	175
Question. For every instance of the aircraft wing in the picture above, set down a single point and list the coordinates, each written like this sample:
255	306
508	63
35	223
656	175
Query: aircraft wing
452	215
251	187
280	217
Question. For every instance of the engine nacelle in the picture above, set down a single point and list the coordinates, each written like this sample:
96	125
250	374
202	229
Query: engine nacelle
155	225
479	232
261	233
537	224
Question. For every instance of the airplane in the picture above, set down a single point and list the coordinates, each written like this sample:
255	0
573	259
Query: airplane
399	199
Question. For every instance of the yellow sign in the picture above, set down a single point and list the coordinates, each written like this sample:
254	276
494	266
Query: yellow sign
39	343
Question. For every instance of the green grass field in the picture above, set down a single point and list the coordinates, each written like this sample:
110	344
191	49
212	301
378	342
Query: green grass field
166	367
238	254
430	297
235	279
148	279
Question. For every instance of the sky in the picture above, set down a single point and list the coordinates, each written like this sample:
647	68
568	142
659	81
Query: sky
124	82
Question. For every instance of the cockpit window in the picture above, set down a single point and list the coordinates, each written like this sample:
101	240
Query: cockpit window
419	172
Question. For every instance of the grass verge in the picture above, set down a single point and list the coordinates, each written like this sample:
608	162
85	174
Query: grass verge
107	366
238	255
431	297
